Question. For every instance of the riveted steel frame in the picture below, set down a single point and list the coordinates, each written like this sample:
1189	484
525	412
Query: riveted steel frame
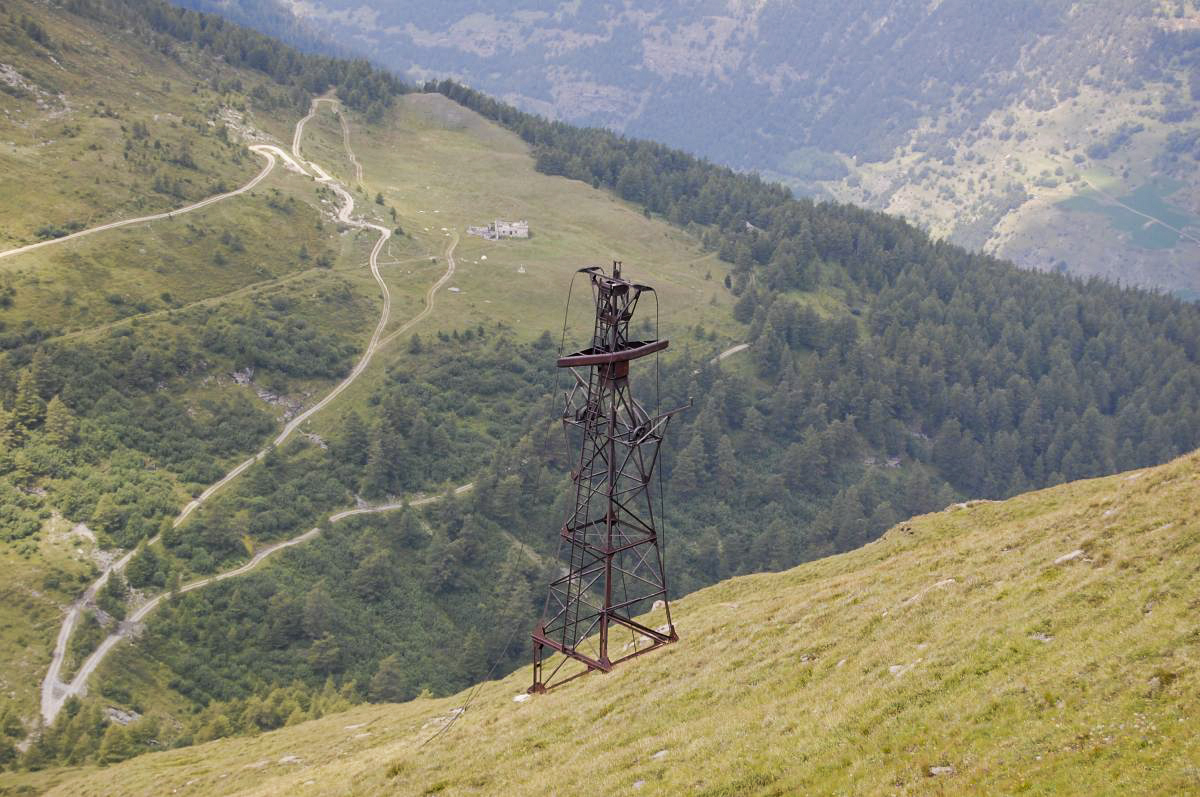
611	555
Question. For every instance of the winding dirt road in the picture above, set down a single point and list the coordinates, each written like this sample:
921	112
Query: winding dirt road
370	510
55	691
268	151
732	350
350	152
429	294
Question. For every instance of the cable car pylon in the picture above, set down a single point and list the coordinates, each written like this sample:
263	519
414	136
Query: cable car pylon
612	561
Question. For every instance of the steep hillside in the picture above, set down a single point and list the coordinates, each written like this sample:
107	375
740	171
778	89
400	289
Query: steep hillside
255	537
1061	135
1047	644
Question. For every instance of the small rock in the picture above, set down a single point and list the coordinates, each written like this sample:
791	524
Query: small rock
521	698
121	717
658	605
935	771
1040	637
660	755
637	784
356	726
840	663
1069	557
290	759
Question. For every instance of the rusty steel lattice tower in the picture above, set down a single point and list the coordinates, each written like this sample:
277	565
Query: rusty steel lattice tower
609	545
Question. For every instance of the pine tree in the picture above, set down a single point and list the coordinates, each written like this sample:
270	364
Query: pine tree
318	612
377	477
143	567
108	516
28	407
409	533
743	308
805	467
8	431
325	655
690	471
113	595
216	728
727	467
443	562
116	745
770	350
392	682
472	658
353	443
373	577
43	374
60	423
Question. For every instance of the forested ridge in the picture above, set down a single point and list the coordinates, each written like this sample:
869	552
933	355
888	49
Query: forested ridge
1019	379
934	374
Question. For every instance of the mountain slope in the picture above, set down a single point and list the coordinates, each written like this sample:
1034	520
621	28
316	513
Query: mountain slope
885	373
1019	127
1044	644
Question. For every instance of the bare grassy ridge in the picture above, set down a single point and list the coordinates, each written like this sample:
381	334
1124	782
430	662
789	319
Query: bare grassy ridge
975	640
99	130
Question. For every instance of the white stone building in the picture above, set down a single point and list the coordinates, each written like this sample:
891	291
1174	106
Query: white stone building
511	229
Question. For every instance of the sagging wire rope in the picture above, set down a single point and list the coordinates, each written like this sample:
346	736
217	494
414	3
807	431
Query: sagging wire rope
471	695
475	690
662	501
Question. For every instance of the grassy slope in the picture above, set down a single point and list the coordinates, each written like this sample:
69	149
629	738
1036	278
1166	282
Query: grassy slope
443	166
58	143
958	640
